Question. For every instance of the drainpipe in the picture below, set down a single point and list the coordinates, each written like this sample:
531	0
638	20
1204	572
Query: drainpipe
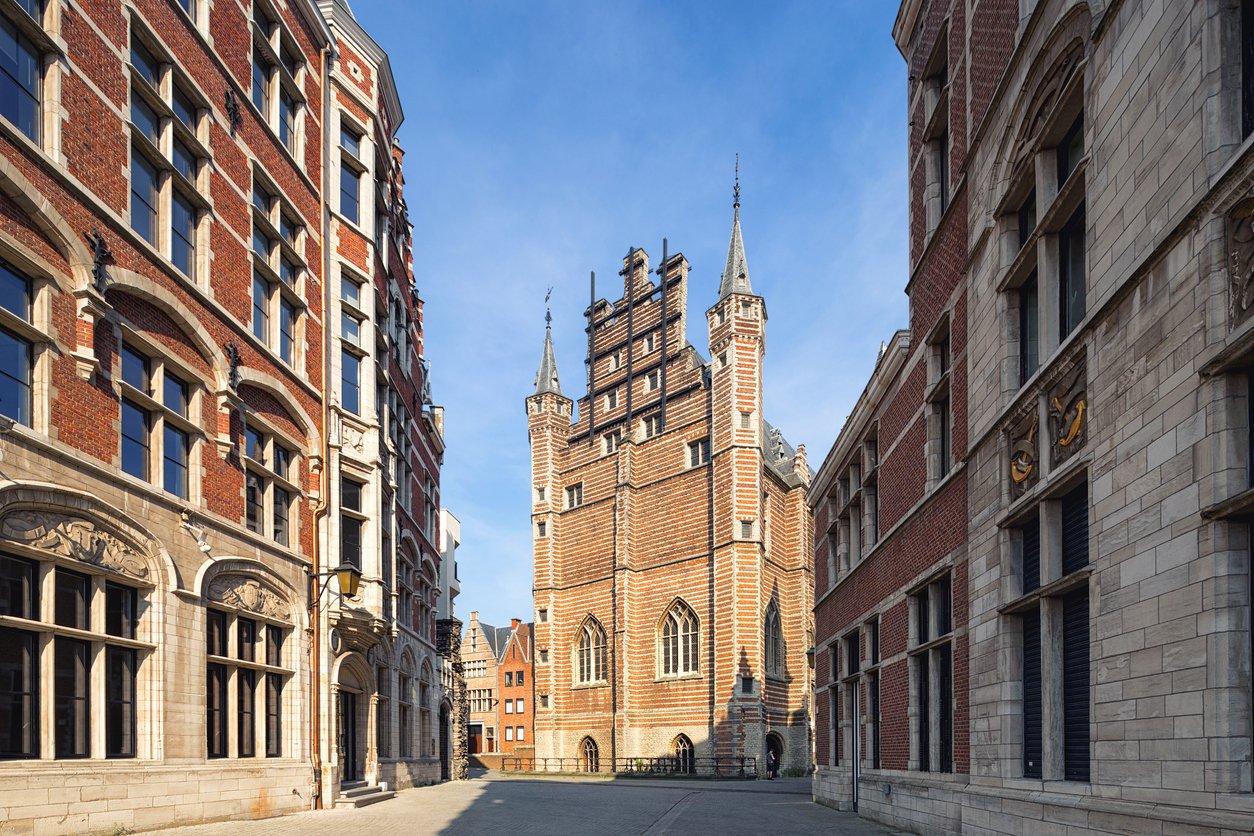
320	510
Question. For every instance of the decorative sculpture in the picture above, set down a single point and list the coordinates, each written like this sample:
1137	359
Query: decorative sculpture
1023	454
1240	228
232	111
100	255
233	357
73	537
248	594
1068	402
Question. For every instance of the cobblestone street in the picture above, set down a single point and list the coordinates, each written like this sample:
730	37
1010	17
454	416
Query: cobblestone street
587	806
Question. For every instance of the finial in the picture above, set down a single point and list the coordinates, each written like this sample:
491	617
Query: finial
548	312
736	204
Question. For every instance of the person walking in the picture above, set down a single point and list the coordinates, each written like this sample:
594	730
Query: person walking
772	764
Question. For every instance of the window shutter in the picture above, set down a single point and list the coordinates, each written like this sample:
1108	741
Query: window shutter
1075	684
1032	555
1075	530
1032	693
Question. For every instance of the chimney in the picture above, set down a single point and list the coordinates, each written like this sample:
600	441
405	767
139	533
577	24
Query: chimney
800	466
513	623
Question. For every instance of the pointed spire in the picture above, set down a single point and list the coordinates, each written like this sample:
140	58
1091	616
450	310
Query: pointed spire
546	376
736	273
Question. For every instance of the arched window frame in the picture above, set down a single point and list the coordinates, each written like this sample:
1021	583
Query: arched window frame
589	755
589	665
679	642
773	642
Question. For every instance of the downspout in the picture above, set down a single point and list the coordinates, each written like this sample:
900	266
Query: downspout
320	510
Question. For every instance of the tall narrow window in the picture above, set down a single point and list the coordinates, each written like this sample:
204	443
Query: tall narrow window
144	197
21	74
1029	329
121	665
15	350
1070	150
216	697
1032	693
351	523
350	381
1071	274
350	193
590	654
19	661
72	667
1075	684
773	636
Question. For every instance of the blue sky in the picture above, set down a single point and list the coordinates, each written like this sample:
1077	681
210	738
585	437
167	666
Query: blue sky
544	138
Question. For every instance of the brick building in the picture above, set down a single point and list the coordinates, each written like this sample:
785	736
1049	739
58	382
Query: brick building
171	437
1085	170
516	685
481	648
454	709
671	539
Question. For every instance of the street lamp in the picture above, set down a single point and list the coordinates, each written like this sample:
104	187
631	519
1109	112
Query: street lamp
347	574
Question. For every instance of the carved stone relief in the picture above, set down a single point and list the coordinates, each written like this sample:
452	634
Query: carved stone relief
1240	234
1024	454
1068	421
248	594
73	537
354	439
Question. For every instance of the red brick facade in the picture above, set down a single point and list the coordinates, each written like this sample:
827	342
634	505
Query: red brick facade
666	535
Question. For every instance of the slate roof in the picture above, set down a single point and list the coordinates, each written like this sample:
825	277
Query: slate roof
546	375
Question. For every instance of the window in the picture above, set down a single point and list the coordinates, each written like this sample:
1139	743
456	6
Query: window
78	699
276	78
746	529
405	715
521	734
542	528
931	665
540	494
258	677
698	452
543	616
426	741
544	700
351	170
352	520
156	425
650	343
872	681
1070	150
574	495
1029	329
16	354
278	269
271	483
509	704
350	381
652	426
1027	218
679	642
1071	274
773	641
652	380
166	155
613	440
509	731
519	679
745	420
590	654
940	423
21	71
936	129
616	361
509	678
611	399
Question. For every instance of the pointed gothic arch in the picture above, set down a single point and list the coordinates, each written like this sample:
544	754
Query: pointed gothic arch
589	667
679	641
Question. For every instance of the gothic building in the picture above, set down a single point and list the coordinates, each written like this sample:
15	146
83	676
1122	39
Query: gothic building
1066	646
184	441
671	540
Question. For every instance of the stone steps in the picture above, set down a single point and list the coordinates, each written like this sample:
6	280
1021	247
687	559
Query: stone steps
360	794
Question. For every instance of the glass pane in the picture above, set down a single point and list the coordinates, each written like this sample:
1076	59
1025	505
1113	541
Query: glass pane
261	84
261	308
143	197
71	715
176	461
14	291
145	62
350	194
350	495
247	698
253	509
184	109
73	600
174	394
288	228
288	271
20	76
246	632
282	504
120	667
350	291
260	199
134	368
287	120
350	328
350	541
145	118
274	716
15	377
274	645
19	715
254	445
17	586
282	462
350	141
216	638
184	161
215	704
287	323
350	375
120	604
183	234
135	429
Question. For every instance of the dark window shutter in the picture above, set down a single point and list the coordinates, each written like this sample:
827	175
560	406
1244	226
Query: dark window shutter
1075	530
1075	684
945	673
1249	391
925	714
1031	554
944	606
1032	693
873	707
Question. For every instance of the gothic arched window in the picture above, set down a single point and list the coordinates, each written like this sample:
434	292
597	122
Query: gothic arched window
678	642
590	653
773	640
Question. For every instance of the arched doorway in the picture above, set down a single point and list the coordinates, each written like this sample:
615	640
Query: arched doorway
445	719
685	763
775	746
589	756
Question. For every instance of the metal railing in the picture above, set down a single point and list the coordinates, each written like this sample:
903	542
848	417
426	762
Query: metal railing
670	766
